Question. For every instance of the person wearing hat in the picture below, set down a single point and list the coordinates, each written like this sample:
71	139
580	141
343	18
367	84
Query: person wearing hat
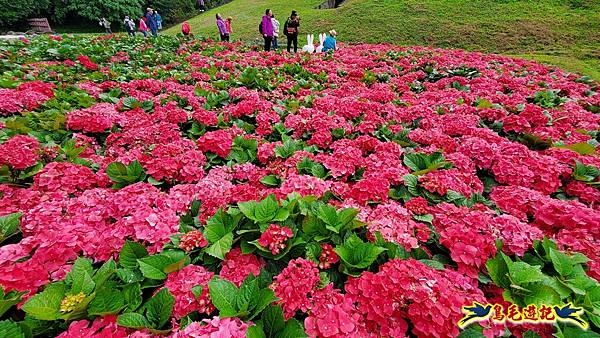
151	22
290	29
330	43
129	26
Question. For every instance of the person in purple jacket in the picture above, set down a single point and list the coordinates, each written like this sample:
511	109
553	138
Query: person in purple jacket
267	29
223	31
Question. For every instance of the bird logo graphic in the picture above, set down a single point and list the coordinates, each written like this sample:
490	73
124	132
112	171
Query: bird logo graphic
473	313
568	313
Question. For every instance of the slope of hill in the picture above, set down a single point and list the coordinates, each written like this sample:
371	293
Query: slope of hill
561	32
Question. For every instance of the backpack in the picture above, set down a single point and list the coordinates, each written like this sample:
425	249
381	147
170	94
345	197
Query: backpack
260	28
285	27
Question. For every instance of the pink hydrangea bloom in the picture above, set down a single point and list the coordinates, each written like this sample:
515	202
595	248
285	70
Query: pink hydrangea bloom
215	328
218	142
275	237
180	285
20	152
294	285
192	240
237	266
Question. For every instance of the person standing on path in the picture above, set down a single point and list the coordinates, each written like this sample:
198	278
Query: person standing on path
158	19
151	22
185	29
290	30
144	27
267	29
228	25
129	26
201	5
223	32
275	32
106	25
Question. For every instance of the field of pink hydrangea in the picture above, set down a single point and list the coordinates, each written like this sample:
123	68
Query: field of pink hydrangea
193	189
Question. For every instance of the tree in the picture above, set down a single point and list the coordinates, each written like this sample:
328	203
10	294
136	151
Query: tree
174	11
113	10
15	11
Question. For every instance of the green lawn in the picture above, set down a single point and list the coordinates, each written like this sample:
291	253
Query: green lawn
550	31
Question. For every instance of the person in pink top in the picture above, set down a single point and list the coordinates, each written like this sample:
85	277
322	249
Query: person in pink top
228	25
144	27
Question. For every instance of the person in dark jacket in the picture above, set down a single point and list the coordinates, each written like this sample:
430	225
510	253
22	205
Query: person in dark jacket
151	22
129	26
267	29
290	30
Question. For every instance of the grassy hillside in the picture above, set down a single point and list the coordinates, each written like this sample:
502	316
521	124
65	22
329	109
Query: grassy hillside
553	31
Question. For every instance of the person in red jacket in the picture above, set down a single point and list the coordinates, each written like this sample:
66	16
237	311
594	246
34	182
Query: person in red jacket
185	29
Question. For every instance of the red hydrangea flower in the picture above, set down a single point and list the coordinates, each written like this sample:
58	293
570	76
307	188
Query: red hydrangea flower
180	285
19	152
332	314
517	236
373	189
417	206
178	161
409	291
215	327
237	266
304	185
294	285
440	181
327	256
105	326
192	240
468	236
274	238
585	192
95	119
394	223
218	142
65	176
87	62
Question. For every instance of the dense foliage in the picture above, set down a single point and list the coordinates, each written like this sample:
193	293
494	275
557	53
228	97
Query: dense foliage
86	12
193	189
72	10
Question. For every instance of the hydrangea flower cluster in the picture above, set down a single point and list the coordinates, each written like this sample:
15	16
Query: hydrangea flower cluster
192	240
238	266
275	237
408	290
20	152
223	124
327	256
215	327
180	285
27	96
295	284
